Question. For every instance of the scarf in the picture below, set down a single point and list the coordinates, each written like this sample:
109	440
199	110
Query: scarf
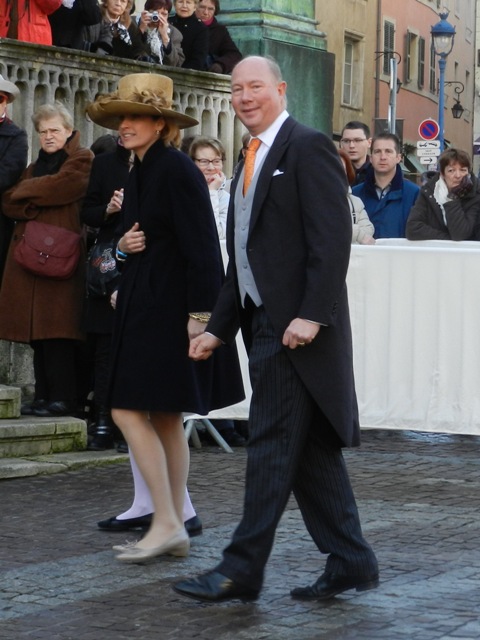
49	163
155	44
440	193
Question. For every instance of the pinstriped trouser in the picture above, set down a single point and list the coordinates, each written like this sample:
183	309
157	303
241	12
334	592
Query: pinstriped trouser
288	451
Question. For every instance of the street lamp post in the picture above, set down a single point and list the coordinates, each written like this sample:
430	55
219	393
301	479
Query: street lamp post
443	35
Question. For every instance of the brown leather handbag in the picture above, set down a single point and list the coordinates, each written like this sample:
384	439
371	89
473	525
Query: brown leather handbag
48	251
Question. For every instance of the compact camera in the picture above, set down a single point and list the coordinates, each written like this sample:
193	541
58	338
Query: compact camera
154	16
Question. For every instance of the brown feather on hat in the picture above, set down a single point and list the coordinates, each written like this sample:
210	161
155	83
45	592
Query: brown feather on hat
9	88
139	94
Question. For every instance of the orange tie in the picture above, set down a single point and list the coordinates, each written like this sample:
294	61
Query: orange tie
250	163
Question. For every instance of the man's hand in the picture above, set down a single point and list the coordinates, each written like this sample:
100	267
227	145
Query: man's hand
299	333
202	346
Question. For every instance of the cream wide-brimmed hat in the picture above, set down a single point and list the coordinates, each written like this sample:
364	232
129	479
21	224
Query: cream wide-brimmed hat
143	94
9	88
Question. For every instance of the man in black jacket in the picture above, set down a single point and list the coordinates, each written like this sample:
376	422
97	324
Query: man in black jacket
13	159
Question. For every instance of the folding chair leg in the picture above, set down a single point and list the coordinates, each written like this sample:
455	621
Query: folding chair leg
216	436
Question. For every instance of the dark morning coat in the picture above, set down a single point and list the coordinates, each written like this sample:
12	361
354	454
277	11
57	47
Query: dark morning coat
298	249
179	272
41	308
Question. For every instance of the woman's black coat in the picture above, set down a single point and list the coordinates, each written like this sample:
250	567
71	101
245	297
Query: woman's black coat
179	272
13	160
194	43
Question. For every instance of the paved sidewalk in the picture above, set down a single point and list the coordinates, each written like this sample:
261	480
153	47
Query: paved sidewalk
419	498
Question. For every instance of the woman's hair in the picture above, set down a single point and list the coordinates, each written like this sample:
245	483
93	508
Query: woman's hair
125	18
48	111
454	155
155	5
170	134
350	171
204	141
217	6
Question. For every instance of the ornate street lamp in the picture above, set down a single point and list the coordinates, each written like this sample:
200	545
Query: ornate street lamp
443	36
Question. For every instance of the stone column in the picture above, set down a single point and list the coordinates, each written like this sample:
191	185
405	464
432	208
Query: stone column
285	30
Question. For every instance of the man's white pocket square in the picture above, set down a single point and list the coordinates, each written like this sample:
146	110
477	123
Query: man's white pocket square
277	173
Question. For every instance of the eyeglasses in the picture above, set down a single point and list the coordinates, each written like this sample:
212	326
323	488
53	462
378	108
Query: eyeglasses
201	7
346	141
203	162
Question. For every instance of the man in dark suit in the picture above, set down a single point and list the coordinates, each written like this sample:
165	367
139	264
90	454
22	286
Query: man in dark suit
288	238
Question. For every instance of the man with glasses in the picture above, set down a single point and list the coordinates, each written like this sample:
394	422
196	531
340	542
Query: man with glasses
387	196
13	159
356	141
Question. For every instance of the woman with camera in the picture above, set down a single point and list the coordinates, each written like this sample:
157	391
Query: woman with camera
163	41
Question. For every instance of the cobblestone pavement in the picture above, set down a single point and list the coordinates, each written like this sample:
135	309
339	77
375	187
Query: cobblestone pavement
419	501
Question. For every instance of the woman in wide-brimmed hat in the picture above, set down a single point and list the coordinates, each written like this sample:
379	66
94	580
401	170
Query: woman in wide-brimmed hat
172	273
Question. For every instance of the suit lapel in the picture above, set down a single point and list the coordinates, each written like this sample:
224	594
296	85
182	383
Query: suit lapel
270	164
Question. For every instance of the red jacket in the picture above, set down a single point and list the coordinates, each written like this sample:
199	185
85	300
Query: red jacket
33	24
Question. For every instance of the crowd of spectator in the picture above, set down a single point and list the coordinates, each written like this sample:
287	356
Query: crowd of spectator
191	37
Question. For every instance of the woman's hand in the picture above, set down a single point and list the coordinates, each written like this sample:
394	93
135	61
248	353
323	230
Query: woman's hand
144	21
215	180
202	346
195	328
113	299
163	29
115	204
133	241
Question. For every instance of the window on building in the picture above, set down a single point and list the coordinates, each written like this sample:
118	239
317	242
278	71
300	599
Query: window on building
421	62
410	66
388	45
347	93
353	71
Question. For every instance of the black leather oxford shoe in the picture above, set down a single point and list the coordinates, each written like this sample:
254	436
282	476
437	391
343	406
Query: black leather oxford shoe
56	408
214	587
330	585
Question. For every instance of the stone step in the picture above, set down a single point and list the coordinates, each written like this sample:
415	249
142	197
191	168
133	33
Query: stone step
32	436
10	401
57	463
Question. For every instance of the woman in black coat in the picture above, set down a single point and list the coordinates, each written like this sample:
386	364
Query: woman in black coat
223	53
172	274
100	212
194	32
448	206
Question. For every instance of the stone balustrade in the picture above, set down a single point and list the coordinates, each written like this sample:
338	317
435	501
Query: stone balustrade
44	74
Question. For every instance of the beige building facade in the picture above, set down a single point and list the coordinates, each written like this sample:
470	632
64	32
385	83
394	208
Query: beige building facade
365	34
350	28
